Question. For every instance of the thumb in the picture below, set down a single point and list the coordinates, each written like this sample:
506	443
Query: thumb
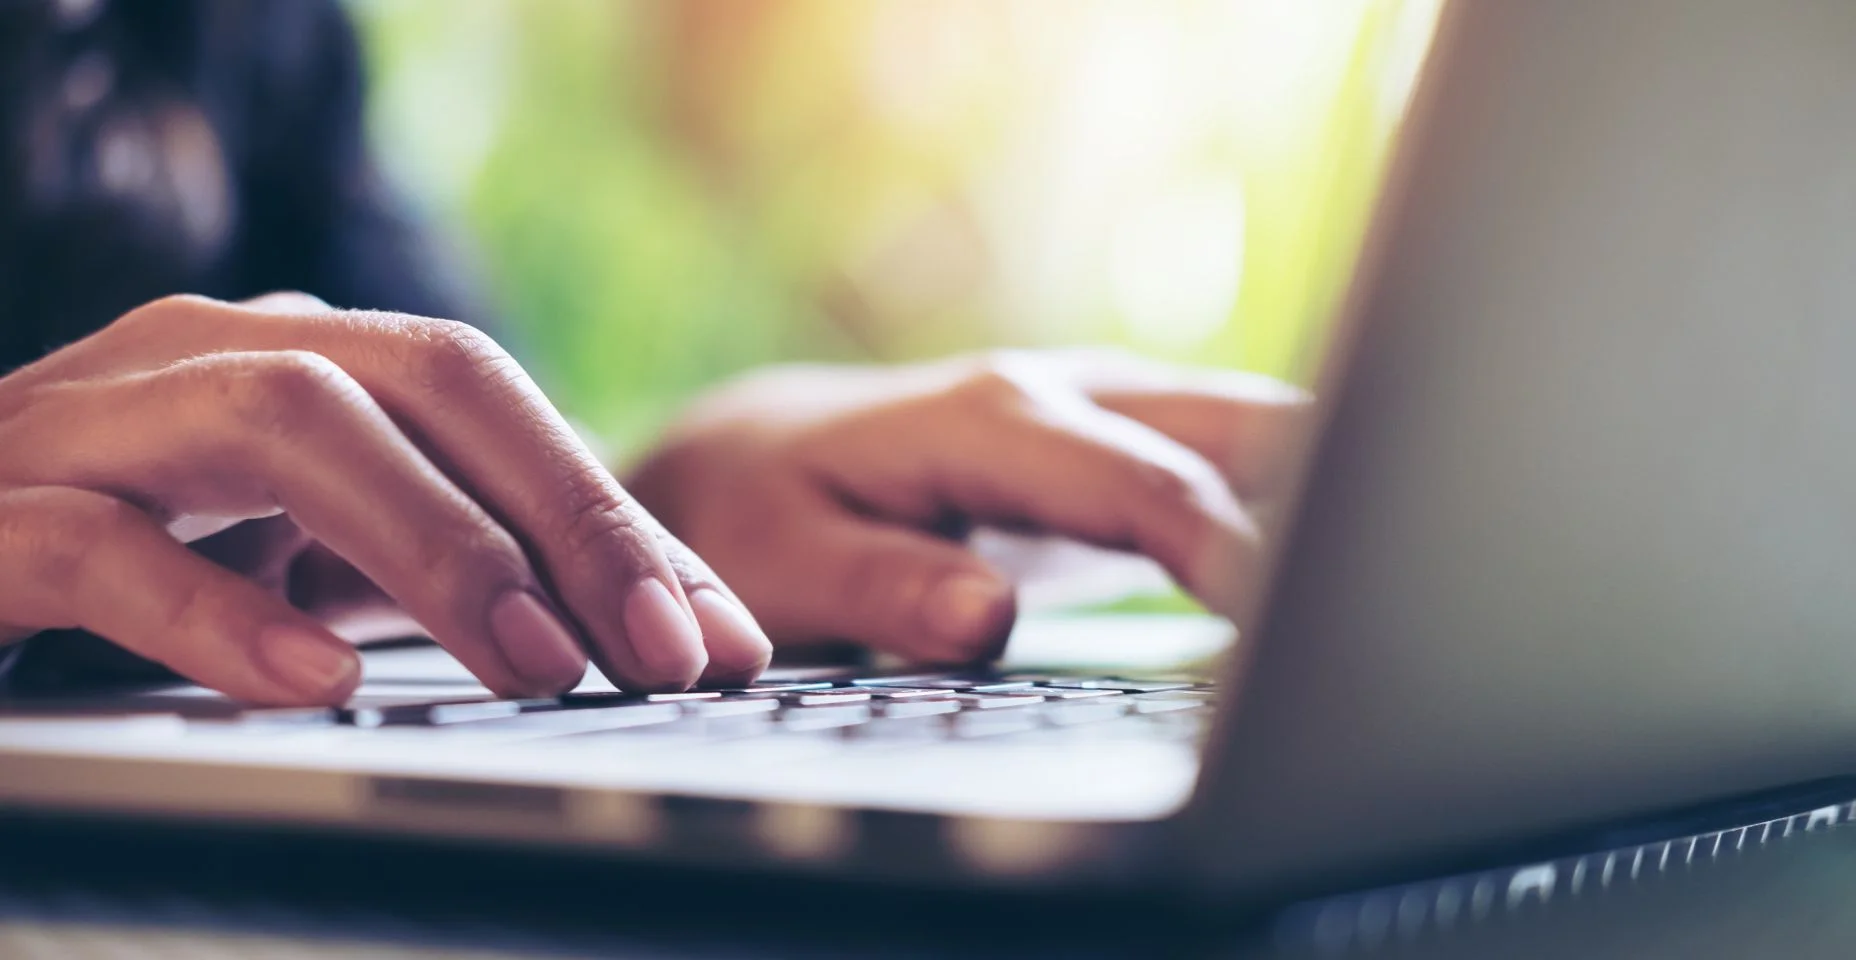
903	592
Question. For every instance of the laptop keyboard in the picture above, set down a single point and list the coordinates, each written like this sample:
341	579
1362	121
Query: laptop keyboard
925	707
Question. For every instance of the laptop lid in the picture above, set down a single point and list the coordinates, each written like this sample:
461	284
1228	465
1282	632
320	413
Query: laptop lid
1579	539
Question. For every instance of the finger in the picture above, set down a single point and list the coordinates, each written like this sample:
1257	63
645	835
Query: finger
72	558
485	424
1113	481
483	421
738	648
161	331
281	557
1242	422
290	430
898	590
1247	439
326	586
1016	449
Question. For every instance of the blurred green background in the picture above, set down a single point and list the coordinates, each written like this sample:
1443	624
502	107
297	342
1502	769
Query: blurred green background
658	193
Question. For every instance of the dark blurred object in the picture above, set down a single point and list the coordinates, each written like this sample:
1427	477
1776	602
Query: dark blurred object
66	662
72	885
271	552
189	146
330	891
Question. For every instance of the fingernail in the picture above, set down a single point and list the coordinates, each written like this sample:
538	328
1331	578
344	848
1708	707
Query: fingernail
970	607
308	662
736	643
538	646
666	642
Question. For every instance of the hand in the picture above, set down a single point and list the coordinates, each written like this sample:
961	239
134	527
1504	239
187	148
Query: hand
834	499
414	449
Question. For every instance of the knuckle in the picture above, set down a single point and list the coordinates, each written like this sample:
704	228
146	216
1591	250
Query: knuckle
169	306
463	561
276	391
689	569
596	519
164	313
441	356
1167	486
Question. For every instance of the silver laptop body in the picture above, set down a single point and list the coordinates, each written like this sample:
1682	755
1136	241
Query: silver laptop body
1578	542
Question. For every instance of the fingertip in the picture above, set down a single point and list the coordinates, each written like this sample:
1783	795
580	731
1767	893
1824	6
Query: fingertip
739	650
538	647
970	615
314	665
666	641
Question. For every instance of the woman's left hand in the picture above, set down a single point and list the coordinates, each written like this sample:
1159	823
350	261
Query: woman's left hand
834	500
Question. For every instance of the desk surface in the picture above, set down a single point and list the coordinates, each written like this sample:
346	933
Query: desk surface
73	891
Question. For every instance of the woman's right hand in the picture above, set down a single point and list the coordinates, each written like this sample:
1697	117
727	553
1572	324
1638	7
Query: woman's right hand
414	449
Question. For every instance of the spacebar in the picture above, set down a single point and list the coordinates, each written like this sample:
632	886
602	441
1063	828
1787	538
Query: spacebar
568	722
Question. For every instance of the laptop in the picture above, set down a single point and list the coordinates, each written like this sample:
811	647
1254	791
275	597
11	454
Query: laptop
1569	589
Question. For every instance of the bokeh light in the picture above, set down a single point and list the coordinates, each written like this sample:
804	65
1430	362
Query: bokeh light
658	193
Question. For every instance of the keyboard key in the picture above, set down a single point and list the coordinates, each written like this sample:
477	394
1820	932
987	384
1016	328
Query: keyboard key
958	684
437	714
900	709
838	675
1146	705
902	693
793	687
561	723
574	698
615	698
996	686
1073	693
1195	696
445	714
802	719
995	701
1116	683
893	681
1054	680
289	716
825	698
731	708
